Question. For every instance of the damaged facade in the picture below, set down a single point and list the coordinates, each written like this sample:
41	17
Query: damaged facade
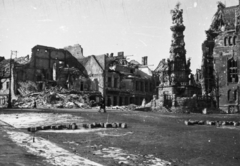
224	34
119	81
5	73
125	82
171	85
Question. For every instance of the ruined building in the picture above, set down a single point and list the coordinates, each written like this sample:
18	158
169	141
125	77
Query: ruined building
50	66
221	58
120	82
5	83
113	77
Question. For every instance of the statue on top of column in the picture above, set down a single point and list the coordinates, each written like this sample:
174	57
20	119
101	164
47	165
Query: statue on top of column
177	17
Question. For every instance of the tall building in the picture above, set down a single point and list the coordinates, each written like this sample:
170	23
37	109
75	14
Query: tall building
224	31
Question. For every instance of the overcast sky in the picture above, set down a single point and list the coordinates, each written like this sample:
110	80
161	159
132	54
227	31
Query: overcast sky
137	27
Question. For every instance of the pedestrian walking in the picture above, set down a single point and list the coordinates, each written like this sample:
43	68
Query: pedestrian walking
35	104
102	106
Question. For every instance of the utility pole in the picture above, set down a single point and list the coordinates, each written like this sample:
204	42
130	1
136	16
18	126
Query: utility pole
104	80
10	79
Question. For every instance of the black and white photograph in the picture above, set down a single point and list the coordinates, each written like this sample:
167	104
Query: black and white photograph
119	82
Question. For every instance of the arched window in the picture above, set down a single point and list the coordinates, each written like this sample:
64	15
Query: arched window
232	71
234	40
235	95
230	41
225	41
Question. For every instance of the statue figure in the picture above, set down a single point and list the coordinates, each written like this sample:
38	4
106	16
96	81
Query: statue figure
173	79
218	18
189	79
188	63
166	80
161	78
169	63
176	13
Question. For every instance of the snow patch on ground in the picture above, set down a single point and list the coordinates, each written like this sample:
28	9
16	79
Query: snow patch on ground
229	127
104	134
73	131
53	154
25	120
131	159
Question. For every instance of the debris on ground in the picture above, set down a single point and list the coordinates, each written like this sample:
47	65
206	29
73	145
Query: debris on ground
212	123
74	126
52	98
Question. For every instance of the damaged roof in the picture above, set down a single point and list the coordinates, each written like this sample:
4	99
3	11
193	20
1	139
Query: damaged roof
5	65
229	16
4	68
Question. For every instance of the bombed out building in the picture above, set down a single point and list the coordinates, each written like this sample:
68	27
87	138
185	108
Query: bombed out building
113	77
171	85
121	82
225	39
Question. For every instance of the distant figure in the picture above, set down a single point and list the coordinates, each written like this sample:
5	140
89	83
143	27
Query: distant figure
102	105
35	104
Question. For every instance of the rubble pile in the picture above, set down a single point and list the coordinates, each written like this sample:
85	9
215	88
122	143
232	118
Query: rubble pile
212	123
74	126
52	98
130	107
27	87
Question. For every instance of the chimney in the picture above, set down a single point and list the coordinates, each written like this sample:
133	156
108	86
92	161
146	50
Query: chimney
144	60
121	54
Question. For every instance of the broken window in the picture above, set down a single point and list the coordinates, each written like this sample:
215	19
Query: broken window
7	85
109	82
137	83
232	71
81	87
109	102
115	100
115	82
146	86
120	101
141	86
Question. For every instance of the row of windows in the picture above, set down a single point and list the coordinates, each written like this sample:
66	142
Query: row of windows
115	82
230	40
139	86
